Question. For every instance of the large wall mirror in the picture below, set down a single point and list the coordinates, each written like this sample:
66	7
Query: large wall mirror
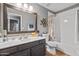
17	21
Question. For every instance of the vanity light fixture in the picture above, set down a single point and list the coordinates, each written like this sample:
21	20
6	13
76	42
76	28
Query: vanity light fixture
66	20
30	8
25	6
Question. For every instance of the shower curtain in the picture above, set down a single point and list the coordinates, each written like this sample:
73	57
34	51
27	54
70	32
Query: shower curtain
51	32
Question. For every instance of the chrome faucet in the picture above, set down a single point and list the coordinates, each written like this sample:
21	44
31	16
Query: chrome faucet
5	38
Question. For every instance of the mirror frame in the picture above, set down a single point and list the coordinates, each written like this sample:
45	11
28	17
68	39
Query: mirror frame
5	19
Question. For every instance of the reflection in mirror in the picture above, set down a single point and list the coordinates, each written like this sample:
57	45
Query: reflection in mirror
13	22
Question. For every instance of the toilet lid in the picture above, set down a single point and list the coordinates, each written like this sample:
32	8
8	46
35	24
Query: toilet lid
52	43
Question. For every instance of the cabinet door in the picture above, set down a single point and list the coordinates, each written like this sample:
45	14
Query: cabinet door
38	50
25	52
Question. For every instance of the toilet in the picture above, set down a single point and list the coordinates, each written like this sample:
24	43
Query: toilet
51	47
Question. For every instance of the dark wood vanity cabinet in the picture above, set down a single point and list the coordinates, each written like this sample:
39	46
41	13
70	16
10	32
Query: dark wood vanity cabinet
36	48
25	52
8	51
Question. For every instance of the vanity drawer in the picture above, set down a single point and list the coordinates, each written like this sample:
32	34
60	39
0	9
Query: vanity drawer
42	41
25	52
23	46
8	51
27	45
37	42
34	43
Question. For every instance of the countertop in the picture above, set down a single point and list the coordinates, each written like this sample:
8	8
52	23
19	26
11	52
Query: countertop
11	43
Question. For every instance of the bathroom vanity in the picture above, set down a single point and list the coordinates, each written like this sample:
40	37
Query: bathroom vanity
17	21
30	47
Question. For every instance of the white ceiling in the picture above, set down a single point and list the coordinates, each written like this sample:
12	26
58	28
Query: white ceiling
56	6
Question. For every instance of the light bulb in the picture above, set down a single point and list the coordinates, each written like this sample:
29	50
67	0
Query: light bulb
65	20
30	8
26	6
19	5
